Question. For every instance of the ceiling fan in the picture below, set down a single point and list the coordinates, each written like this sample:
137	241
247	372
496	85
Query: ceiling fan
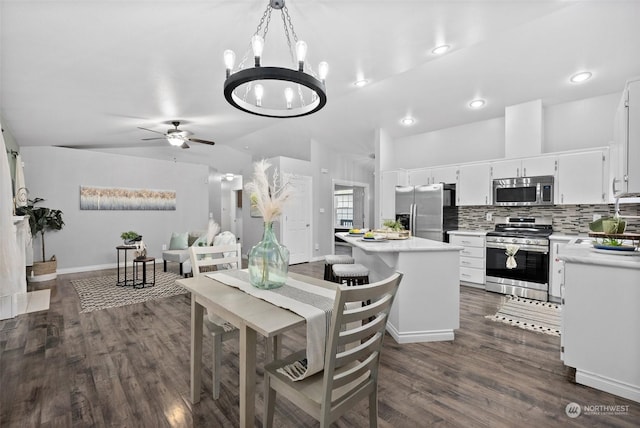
177	137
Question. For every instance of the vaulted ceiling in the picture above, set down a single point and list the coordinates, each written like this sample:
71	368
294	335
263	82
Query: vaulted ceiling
89	73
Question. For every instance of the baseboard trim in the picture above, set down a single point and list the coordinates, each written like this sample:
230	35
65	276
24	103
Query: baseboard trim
420	336
90	268
612	386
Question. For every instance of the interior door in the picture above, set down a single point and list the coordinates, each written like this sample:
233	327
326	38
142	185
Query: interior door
296	220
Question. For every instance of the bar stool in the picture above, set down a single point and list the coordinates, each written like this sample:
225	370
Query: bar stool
352	274
331	260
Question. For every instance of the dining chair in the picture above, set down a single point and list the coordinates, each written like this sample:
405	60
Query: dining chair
352	357
203	260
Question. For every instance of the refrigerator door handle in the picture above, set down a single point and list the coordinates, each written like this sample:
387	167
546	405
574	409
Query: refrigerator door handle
414	220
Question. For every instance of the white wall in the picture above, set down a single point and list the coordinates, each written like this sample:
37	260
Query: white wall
89	238
466	143
580	124
574	125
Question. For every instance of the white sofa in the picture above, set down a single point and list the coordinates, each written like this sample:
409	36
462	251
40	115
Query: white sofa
181	255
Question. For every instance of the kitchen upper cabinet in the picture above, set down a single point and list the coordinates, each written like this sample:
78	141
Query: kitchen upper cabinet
474	184
418	177
446	174
528	167
389	181
582	178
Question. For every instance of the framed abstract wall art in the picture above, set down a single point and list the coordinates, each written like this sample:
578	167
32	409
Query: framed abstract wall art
118	198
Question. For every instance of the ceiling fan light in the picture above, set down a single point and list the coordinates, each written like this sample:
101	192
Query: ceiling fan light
175	140
407	121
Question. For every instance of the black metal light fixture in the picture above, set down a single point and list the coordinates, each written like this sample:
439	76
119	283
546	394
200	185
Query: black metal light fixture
304	90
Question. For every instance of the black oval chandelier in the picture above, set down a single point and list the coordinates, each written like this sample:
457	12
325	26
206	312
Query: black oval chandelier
301	90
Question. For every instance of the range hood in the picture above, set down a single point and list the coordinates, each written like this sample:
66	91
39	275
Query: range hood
523	129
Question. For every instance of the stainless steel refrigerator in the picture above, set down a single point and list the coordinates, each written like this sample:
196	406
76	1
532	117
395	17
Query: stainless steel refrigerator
428	211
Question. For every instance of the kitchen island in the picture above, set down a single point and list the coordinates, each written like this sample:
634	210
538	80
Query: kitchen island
427	306
600	318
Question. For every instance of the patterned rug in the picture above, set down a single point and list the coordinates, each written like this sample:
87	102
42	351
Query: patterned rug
102	292
541	317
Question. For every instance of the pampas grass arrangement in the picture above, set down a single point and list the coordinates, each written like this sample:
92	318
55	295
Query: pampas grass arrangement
268	196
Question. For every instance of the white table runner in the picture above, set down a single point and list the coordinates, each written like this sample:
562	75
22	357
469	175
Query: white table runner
311	302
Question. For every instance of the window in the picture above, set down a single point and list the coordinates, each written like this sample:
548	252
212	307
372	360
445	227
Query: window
343	203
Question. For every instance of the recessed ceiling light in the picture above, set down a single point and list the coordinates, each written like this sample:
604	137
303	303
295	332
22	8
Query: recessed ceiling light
360	83
477	103
407	121
580	77
440	49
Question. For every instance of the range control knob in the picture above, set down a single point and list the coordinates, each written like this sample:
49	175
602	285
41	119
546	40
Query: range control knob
529	242
514	240
500	240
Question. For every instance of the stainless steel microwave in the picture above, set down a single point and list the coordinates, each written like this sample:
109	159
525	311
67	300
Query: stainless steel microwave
523	191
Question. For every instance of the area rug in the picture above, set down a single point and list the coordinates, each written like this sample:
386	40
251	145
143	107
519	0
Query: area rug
102	292
541	317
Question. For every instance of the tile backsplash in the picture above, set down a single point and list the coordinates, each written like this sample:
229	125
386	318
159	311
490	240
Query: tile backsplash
569	219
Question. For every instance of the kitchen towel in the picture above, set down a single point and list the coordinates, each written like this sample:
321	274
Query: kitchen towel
512	249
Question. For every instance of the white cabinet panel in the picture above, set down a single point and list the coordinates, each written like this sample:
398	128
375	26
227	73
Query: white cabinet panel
472	258
506	169
527	167
581	178
540	165
447	174
474	184
419	177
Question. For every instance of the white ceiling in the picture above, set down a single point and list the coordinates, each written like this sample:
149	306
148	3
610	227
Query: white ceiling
89	73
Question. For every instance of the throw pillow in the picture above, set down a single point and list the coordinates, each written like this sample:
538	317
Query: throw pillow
201	241
179	241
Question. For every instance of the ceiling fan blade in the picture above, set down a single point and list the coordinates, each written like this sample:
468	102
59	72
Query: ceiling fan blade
154	138
151	130
184	145
198	140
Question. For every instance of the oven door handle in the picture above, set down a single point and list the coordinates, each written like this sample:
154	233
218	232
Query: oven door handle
524	247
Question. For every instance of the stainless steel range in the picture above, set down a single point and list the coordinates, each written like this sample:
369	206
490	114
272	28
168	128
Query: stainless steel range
518	257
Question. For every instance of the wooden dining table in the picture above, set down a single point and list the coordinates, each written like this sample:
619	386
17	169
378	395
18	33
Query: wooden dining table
251	316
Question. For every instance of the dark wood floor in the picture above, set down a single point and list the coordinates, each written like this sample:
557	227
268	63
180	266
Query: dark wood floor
129	367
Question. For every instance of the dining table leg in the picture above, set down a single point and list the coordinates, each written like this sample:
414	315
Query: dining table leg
247	376
197	311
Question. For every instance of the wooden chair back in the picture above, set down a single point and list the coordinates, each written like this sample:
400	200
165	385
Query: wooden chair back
356	334
215	257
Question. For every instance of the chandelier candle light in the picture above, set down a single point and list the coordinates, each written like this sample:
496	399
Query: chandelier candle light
247	88
268	260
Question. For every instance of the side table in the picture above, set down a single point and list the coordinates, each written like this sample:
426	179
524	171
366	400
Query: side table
136	268
124	281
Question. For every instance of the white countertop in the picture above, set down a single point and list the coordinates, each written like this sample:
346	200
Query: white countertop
398	245
586	254
468	232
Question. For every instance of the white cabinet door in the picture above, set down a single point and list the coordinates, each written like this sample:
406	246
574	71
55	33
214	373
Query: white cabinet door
581	178
542	165
474	184
447	174
419	177
506	169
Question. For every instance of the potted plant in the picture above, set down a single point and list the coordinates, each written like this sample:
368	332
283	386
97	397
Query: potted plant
130	237
42	219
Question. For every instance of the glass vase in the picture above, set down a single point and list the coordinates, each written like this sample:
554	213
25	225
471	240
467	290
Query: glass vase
268	261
